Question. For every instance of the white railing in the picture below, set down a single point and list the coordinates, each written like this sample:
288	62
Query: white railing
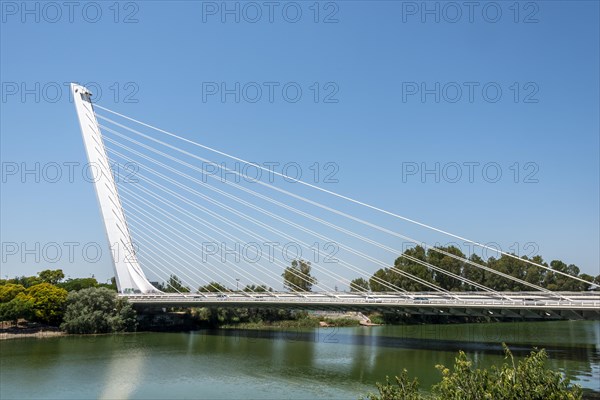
322	298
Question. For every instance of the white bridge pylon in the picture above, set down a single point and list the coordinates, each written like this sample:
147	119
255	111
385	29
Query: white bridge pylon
129	276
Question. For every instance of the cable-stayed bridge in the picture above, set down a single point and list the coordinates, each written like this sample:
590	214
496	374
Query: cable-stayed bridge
213	222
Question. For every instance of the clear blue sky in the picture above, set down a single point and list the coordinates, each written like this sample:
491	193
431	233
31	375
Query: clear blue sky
373	56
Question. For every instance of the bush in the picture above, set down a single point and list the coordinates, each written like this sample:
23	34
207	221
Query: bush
98	310
528	380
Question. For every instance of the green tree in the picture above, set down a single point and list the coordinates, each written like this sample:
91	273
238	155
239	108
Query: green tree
510	266
596	283
376	283
212	287
9	291
447	263
48	302
297	278
558	282
408	264
584	286
51	276
78	284
98	310
359	285
21	306
535	274
473	272
257	288
26	281
174	285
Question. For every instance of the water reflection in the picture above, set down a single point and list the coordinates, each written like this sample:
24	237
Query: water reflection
124	374
321	363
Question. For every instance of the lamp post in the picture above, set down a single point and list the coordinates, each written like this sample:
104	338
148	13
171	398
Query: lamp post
237	284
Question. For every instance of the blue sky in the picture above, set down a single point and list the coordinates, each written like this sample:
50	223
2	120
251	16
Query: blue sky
369	117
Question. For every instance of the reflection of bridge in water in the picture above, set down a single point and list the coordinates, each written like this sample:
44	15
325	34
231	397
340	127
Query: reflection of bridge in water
171	214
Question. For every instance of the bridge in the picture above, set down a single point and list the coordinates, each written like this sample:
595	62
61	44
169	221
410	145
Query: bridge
523	305
189	221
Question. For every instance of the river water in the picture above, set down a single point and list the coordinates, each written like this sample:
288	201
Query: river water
328	363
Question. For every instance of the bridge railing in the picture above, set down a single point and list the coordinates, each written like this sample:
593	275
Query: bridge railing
327	299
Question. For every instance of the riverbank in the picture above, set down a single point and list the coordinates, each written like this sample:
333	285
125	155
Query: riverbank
24	329
306	322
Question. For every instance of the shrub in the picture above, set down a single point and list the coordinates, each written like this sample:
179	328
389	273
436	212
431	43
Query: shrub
527	380
98	310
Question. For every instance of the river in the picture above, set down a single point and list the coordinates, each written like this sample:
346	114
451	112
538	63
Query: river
325	363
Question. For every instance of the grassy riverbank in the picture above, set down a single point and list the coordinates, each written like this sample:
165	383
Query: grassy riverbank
305	322
24	329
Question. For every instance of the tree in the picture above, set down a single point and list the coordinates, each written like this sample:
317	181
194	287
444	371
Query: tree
257	288
510	266
407	264
359	285
26	281
297	278
473	272
51	276
376	283
21	306
9	291
174	285
447	263
596	283
212	287
584	286
560	282
48	302
78	284
98	310
527	380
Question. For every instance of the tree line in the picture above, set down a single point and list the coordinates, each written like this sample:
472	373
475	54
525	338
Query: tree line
451	259
296	278
453	273
80	305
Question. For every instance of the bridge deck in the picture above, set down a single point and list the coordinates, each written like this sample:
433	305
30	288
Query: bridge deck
522	305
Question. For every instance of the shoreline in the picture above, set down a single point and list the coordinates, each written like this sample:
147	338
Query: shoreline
24	329
39	335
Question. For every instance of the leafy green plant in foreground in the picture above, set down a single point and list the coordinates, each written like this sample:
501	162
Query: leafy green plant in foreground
529	379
